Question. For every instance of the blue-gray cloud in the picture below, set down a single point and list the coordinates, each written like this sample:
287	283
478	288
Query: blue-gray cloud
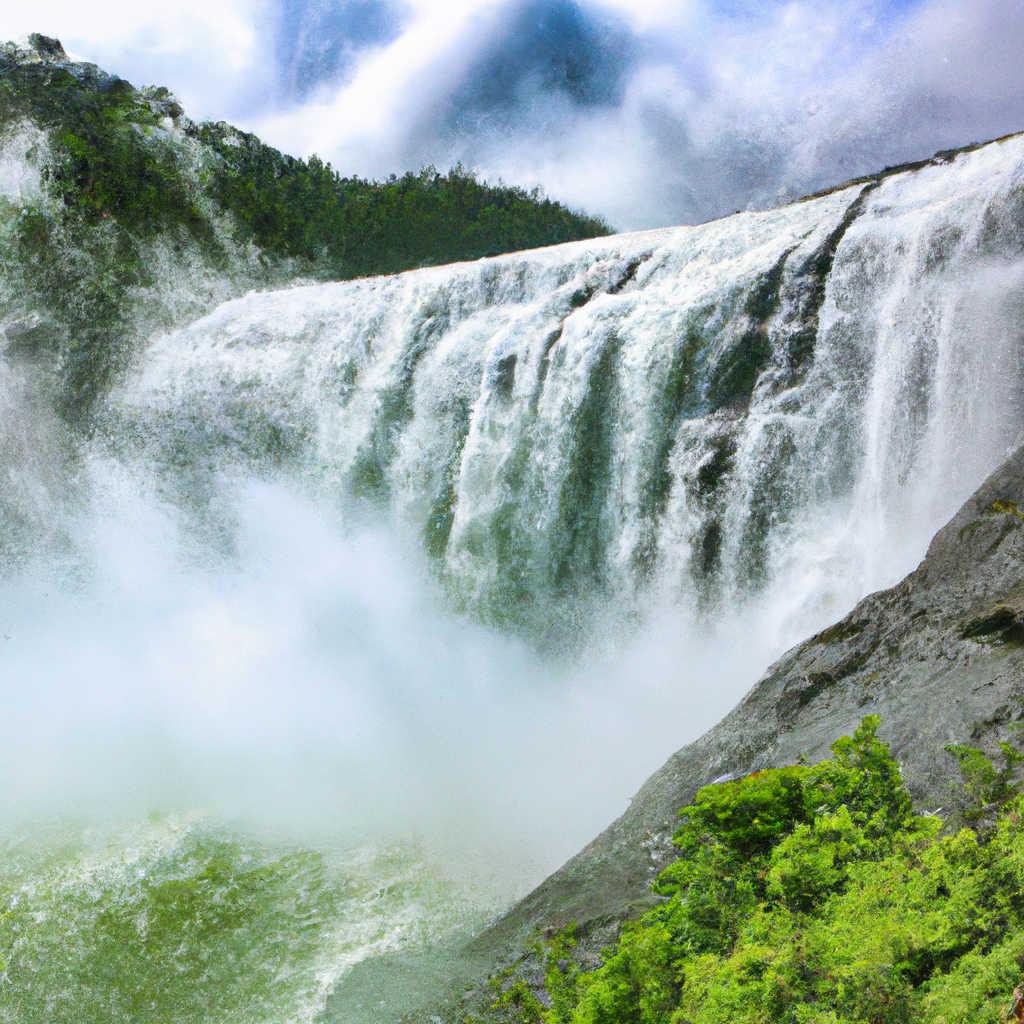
318	41
536	50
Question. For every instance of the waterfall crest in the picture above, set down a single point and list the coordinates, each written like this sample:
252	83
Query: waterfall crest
691	414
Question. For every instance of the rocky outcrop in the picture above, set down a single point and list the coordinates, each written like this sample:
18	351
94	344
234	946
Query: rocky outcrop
940	657
47	48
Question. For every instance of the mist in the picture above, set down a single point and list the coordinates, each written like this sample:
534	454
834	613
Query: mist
310	684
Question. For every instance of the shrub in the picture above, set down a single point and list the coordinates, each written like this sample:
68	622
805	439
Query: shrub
812	894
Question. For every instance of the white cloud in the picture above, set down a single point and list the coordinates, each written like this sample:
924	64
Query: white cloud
716	111
373	106
207	51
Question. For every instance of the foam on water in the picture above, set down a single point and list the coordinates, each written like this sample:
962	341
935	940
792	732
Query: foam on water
183	920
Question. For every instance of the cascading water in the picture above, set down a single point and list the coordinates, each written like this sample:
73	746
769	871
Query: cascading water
668	413
464	553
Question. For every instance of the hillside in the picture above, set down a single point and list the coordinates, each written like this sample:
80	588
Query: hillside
119	215
938	658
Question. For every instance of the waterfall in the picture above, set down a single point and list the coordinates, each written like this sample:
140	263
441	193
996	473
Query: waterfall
462	554
692	415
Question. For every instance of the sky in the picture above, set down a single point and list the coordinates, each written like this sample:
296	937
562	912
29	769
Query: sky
648	112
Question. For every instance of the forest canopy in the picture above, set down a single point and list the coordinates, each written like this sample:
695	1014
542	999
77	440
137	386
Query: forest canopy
350	227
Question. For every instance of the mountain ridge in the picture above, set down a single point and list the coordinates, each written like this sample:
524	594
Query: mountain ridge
134	218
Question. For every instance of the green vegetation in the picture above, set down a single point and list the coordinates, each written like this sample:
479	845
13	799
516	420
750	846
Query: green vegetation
146	220
813	894
348	227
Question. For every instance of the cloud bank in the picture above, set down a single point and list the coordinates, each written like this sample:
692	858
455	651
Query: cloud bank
651	113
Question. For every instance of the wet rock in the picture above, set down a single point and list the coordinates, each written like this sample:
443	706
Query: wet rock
47	48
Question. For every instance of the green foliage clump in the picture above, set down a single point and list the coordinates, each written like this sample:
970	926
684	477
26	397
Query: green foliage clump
350	227
813	894
987	788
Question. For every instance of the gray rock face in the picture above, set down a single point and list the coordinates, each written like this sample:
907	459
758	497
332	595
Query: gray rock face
940	657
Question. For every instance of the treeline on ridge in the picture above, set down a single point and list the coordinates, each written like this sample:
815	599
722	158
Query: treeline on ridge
340	227
350	227
128	178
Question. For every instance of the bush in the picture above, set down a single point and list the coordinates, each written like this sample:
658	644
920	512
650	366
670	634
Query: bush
814	895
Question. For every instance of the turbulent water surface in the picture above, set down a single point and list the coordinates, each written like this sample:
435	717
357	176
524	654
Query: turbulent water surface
385	595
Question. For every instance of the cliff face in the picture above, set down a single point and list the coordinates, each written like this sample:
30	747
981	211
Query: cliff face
940	657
